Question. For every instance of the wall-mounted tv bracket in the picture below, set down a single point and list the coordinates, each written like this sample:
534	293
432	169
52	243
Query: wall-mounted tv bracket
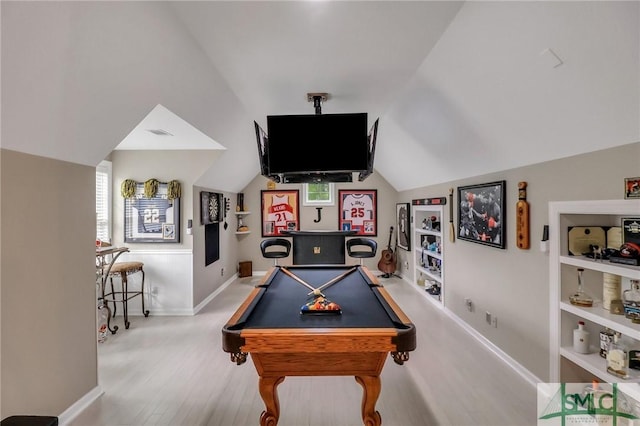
317	99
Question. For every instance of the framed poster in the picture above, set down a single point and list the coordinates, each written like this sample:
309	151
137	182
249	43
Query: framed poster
358	211
632	187
402	219
151	219
280	211
480	217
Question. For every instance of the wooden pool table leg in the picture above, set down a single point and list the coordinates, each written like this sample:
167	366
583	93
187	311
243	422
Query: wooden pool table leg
371	386
269	394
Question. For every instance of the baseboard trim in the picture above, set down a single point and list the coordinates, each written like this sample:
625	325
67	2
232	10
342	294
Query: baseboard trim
79	406
217	291
522	371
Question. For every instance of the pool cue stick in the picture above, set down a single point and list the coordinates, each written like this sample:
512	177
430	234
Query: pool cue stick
301	281
335	280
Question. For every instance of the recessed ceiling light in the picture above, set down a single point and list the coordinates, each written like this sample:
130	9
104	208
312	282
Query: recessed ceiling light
159	132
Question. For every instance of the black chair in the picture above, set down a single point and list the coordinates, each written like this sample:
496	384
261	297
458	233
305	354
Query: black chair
275	248
361	248
30	421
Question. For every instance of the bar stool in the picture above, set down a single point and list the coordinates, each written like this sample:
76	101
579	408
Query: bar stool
361	248
275	248
123	270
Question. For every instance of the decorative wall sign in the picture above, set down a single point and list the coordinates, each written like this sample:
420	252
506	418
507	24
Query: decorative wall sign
480	213
151	219
280	211
358	211
402	219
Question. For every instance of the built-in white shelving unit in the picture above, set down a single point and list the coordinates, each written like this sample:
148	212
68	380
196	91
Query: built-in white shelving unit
428	251
563	281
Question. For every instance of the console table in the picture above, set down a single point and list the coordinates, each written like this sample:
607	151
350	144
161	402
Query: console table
318	247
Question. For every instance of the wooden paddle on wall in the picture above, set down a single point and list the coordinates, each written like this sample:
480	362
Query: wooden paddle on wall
387	263
522	217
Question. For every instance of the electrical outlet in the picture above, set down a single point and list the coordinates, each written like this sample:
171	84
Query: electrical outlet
469	304
487	317
494	322
222	272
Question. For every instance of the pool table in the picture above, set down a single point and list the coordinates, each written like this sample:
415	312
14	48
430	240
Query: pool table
284	342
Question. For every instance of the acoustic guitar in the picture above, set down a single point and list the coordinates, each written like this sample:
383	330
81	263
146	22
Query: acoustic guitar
387	263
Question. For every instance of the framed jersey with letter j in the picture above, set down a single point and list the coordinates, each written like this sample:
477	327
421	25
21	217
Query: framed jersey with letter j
358	211
151	219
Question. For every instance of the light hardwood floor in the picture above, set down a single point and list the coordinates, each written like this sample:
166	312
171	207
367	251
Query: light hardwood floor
172	371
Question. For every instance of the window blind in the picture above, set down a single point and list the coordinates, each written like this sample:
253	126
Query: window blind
103	201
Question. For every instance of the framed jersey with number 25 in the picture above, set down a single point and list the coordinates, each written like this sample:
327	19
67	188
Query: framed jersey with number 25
358	211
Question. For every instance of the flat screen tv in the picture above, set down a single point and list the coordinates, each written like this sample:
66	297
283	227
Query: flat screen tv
372	137
324	143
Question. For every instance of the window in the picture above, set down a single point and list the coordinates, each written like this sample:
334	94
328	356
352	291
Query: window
103	201
318	194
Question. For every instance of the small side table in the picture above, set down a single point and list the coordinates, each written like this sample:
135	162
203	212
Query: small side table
245	269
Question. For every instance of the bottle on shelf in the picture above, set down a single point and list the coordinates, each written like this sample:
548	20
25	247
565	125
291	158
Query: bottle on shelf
610	289
606	337
581	339
580	297
631	300
618	357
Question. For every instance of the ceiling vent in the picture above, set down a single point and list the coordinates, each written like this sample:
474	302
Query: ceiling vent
159	132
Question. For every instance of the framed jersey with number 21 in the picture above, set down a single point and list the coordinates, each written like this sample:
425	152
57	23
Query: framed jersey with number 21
280	211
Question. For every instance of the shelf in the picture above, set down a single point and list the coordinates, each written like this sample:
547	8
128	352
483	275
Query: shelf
429	274
599	315
628	271
242	232
242	213
597	365
421	251
428	232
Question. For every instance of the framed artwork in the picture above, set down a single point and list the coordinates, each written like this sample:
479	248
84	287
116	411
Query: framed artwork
632	187
480	213
211	207
631	230
151	220
402	219
280	211
358	211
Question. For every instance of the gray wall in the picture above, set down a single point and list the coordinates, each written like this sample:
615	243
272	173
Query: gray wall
47	271
249	245
513	284
47	313
187	167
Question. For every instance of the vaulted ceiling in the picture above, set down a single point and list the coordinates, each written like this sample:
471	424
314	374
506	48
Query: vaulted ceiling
461	88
